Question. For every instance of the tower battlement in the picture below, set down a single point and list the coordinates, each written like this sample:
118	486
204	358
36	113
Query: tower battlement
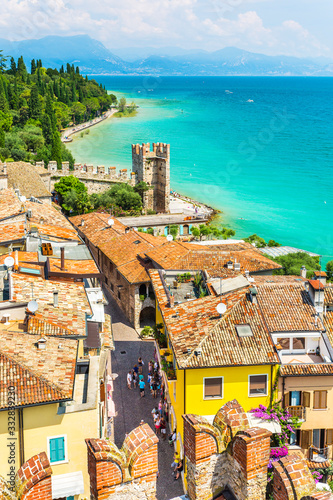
153	168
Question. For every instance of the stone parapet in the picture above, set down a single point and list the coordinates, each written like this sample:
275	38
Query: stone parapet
126	473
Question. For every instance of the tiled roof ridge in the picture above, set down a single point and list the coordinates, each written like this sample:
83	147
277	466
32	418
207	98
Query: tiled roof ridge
147	240
223	318
48	322
39	377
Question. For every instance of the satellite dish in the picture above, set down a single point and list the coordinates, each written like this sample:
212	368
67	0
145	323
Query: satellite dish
9	261
170	237
32	306
135	228
110	222
221	308
23	199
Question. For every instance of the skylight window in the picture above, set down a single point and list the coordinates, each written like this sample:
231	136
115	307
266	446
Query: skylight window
244	331
137	242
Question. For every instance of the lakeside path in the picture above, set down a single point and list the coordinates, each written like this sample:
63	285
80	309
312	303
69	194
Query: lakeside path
180	204
66	135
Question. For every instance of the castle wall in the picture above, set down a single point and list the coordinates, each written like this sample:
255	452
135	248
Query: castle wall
152	167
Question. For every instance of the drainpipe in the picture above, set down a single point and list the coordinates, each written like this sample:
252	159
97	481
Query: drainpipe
283	387
62	257
21	436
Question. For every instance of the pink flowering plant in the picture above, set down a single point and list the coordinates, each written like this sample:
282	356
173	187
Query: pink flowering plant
287	422
316	476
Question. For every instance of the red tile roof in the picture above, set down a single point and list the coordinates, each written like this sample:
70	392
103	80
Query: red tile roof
287	307
196	324
316	284
38	375
73	304
297	370
12	232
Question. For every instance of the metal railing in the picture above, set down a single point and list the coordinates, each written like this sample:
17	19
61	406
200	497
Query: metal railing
318	454
297	411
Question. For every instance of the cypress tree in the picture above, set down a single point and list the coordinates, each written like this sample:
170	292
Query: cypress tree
80	94
62	71
2	138
12	97
56	89
47	129
13	68
74	99
56	148
34	104
77	70
3	99
68	70
39	63
33	66
21	68
49	111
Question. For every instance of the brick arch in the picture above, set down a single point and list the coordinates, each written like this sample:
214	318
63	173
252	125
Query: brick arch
292	478
33	479
233	416
137	446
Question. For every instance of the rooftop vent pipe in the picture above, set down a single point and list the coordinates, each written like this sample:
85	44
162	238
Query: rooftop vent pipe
55	298
62	256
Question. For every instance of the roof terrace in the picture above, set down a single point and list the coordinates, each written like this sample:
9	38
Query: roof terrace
185	285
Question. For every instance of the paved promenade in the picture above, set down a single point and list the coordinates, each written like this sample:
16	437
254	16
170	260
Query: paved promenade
130	407
66	135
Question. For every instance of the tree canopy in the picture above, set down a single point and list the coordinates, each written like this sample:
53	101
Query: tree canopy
44	99
293	262
120	197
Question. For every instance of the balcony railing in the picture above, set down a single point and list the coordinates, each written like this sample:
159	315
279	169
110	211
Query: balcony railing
297	411
318	454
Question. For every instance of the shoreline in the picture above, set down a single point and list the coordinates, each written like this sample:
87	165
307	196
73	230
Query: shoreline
65	136
189	206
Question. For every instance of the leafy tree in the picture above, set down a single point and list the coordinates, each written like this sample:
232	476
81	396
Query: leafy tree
65	188
33	137
257	240
141	188
273	243
293	262
329	270
2	138
119	195
122	104
76	203
47	129
173	230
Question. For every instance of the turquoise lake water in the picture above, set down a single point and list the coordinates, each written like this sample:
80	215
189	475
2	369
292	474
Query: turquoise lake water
259	149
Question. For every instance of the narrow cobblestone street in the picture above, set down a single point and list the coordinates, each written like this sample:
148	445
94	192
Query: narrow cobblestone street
130	408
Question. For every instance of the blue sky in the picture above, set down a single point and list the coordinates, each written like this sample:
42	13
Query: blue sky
293	27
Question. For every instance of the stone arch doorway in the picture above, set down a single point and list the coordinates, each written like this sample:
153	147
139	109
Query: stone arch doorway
147	317
186	229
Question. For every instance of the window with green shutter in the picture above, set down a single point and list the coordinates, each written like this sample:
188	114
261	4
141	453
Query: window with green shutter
57	449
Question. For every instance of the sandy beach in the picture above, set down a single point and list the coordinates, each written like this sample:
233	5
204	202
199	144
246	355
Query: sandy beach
187	206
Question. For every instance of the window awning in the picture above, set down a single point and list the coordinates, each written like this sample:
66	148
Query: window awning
66	485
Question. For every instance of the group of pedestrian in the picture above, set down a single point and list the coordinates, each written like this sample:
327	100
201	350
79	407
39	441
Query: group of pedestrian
159	420
135	377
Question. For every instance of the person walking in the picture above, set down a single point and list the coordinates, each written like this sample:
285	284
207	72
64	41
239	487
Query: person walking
129	380
160	407
179	469
140	365
158	424
154	388
163	428
134	378
142	386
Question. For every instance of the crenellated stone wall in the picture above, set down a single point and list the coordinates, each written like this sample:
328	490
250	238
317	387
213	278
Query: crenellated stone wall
229	456
128	473
152	167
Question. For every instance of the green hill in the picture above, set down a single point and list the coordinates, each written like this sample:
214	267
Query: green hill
36	103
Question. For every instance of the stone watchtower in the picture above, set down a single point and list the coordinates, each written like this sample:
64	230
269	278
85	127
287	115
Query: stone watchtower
153	167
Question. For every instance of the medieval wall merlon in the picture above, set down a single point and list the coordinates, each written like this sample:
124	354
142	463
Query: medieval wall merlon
233	416
129	471
292	478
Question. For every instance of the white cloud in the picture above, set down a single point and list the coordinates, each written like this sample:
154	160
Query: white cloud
208	24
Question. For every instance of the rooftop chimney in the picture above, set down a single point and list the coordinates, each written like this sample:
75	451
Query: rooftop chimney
82	222
55	298
303	272
230	264
247	274
62	254
172	301
5	168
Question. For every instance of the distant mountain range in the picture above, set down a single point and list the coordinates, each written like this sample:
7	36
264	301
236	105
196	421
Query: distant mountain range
94	58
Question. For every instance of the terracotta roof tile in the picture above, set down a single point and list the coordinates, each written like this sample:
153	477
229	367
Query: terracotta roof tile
10	204
74	266
73	304
38	375
287	307
196	324
213	259
26	178
316	284
297	370
96	227
12	232
57	232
